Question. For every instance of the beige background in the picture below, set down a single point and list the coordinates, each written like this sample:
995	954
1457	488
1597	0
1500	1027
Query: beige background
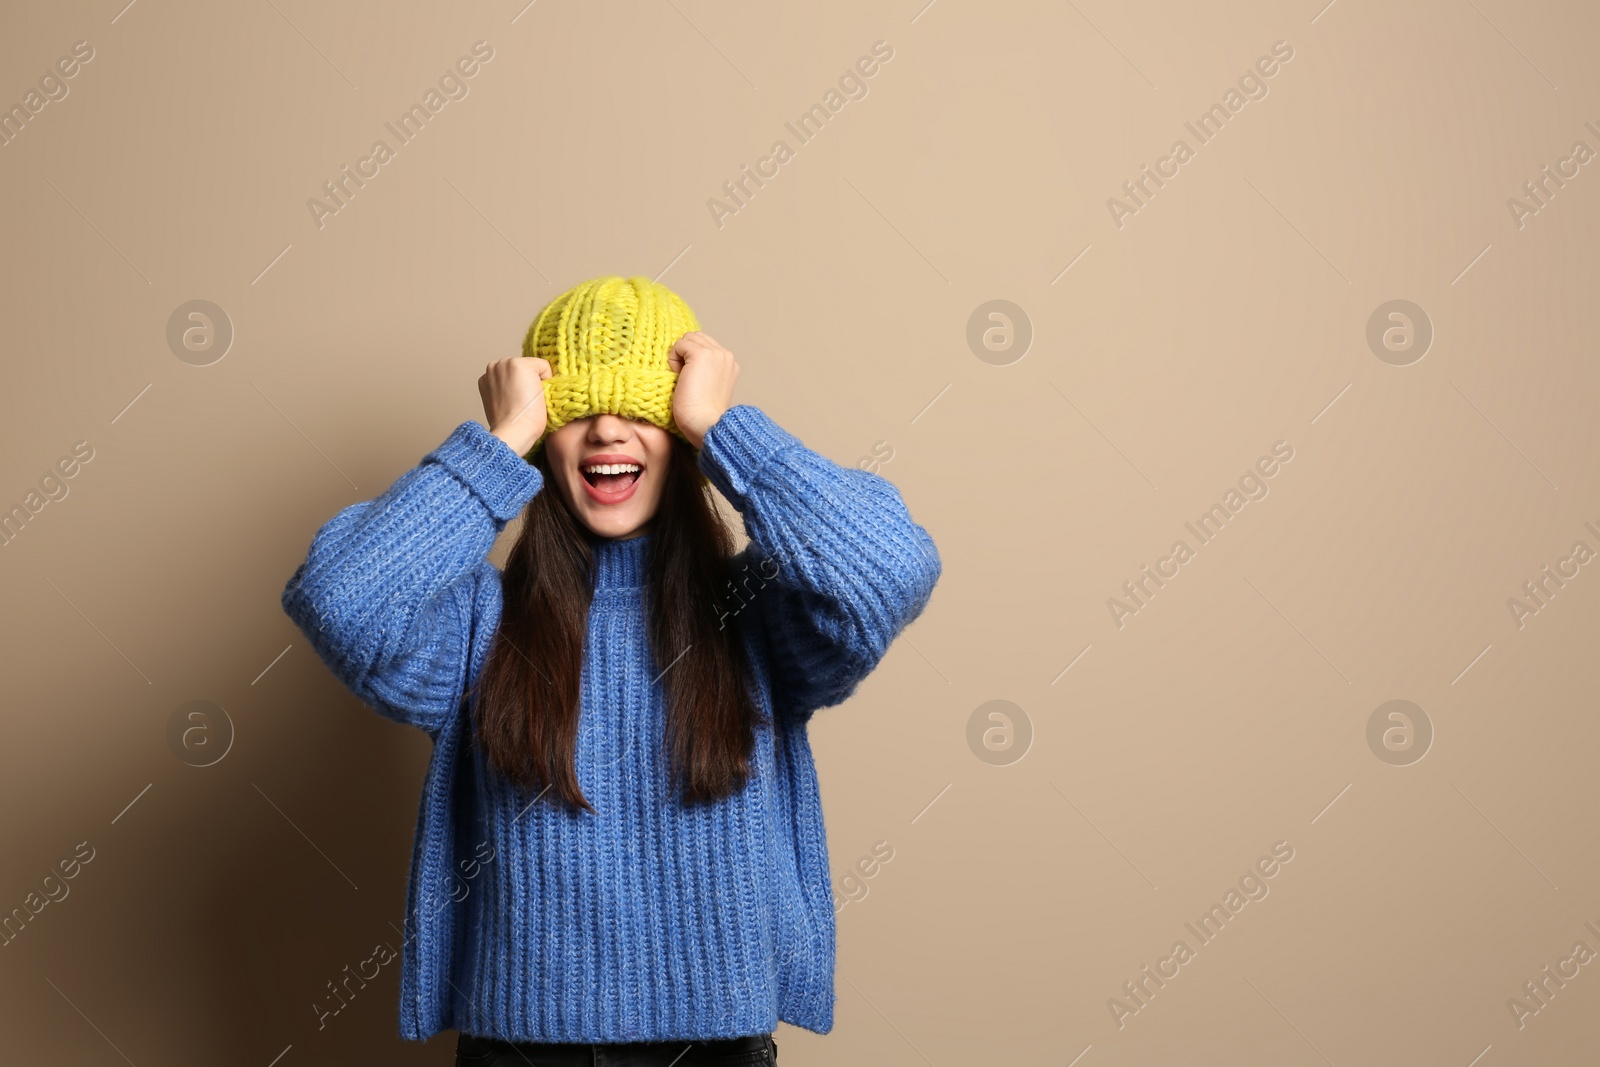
1228	314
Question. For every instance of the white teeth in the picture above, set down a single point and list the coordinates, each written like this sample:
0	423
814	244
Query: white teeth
610	468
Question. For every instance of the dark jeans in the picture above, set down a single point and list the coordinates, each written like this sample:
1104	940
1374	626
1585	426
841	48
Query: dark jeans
755	1050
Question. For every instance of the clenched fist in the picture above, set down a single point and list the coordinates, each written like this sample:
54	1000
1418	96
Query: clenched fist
706	373
513	400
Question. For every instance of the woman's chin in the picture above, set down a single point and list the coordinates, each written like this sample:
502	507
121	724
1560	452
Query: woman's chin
616	523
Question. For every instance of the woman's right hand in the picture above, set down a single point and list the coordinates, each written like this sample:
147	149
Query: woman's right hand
513	400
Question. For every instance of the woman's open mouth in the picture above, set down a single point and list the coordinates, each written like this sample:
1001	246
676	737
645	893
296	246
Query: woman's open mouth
610	483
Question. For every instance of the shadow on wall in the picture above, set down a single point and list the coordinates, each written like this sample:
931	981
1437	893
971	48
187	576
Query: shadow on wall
215	915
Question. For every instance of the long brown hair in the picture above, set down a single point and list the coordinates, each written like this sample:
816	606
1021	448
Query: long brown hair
528	692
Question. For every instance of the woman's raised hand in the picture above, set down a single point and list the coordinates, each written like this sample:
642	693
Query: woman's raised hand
513	400
706	374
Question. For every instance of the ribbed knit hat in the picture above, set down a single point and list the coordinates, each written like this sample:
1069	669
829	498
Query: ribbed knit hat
607	342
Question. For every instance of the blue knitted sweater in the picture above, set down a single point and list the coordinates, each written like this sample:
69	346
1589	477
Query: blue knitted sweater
645	920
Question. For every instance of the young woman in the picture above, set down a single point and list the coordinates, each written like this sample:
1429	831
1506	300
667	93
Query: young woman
620	854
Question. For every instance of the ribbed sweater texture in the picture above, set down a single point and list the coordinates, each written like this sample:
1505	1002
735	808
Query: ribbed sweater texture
643	920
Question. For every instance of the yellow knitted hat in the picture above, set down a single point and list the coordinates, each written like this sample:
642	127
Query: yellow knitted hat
607	342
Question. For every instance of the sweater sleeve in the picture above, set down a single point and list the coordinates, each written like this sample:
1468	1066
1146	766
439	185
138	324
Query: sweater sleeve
392	588
836	566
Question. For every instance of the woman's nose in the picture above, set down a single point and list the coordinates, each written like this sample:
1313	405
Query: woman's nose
609	427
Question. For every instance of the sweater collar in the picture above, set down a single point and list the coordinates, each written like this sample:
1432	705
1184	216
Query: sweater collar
620	564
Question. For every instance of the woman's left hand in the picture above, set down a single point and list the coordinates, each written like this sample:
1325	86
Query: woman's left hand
704	390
